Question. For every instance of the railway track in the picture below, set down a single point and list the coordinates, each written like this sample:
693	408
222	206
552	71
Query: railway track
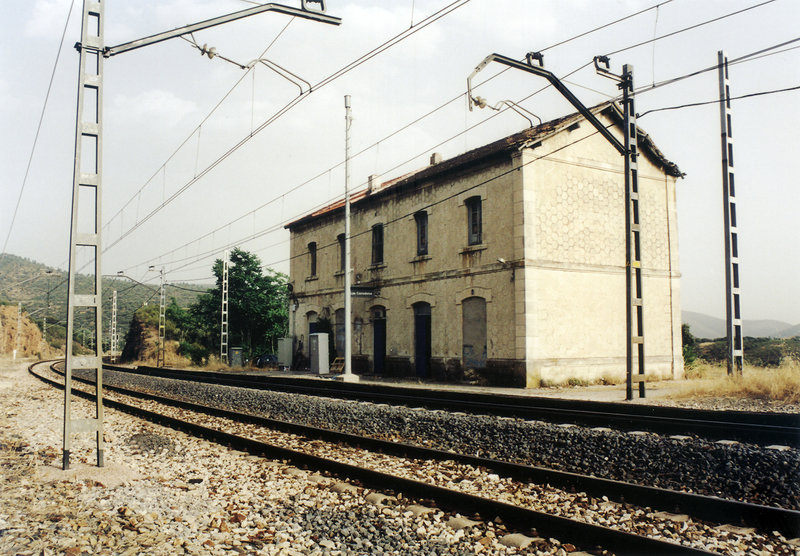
752	427
576	531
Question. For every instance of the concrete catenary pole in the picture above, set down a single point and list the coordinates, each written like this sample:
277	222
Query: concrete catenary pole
348	329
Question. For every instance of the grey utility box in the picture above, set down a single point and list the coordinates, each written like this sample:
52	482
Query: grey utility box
318	353
285	352
235	357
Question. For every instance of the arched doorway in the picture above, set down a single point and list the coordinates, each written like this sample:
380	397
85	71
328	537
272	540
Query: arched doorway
422	338
474	332
311	319
339	332
378	318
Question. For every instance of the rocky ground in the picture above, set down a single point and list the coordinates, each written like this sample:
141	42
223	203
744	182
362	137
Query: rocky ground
162	492
738	471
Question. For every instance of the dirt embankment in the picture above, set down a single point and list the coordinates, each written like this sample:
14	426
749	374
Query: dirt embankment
30	342
141	346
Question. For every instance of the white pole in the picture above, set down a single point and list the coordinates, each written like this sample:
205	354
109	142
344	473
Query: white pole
348	371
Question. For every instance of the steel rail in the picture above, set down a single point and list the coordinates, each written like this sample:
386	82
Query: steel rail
522	519
754	427
709	508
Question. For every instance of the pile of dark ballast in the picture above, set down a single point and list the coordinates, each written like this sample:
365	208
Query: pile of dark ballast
737	471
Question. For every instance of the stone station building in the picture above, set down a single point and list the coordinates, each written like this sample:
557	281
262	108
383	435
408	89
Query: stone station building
507	261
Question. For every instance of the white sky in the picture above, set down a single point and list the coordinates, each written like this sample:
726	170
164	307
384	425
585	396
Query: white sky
156	97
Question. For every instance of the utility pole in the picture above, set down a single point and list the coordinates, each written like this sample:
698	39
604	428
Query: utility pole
162	320
633	244
348	310
114	338
223	327
733	316
87	181
628	149
19	326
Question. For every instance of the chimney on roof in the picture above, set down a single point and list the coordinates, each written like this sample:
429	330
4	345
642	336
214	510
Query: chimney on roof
436	158
373	183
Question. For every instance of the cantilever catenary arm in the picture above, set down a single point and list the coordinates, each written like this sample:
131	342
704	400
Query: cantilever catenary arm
560	87
146	41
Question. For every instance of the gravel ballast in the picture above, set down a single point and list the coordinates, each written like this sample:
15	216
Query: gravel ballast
163	492
736	471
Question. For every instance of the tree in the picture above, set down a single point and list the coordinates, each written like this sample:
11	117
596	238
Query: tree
257	306
690	352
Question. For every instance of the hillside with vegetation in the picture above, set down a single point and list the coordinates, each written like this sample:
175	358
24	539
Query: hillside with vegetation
34	284
258	316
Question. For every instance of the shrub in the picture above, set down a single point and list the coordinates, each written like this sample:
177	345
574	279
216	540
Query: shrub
690	352
196	352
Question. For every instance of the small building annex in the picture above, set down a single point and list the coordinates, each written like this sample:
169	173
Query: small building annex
506	262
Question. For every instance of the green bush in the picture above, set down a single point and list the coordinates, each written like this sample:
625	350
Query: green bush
196	352
690	352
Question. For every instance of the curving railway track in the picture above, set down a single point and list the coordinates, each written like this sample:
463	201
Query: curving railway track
755	427
409	469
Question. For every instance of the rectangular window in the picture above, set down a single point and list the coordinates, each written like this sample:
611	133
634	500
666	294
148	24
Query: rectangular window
340	238
422	232
474	224
377	244
312	254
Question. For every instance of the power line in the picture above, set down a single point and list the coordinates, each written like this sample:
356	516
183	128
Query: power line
693	104
184	289
452	195
589	32
195	130
741	59
261	233
38	129
408	125
691	27
291	104
695	26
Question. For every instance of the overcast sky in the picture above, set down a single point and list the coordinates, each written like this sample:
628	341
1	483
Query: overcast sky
156	99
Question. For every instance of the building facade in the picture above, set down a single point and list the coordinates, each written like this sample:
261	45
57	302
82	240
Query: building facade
505	263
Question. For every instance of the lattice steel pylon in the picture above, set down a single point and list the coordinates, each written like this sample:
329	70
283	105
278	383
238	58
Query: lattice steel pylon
162	322
114	337
86	232
733	316
223	328
634	316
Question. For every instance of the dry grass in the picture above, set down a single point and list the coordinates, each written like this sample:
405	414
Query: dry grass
781	384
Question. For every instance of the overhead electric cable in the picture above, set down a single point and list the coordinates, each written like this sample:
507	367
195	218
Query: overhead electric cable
451	196
291	104
717	101
695	26
408	125
213	251
691	27
38	129
745	58
196	128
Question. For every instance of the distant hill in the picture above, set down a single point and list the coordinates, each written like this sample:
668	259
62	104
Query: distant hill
28	281
705	326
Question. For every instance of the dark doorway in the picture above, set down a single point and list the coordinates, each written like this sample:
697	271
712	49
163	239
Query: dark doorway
313	327
474	332
422	338
378	340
